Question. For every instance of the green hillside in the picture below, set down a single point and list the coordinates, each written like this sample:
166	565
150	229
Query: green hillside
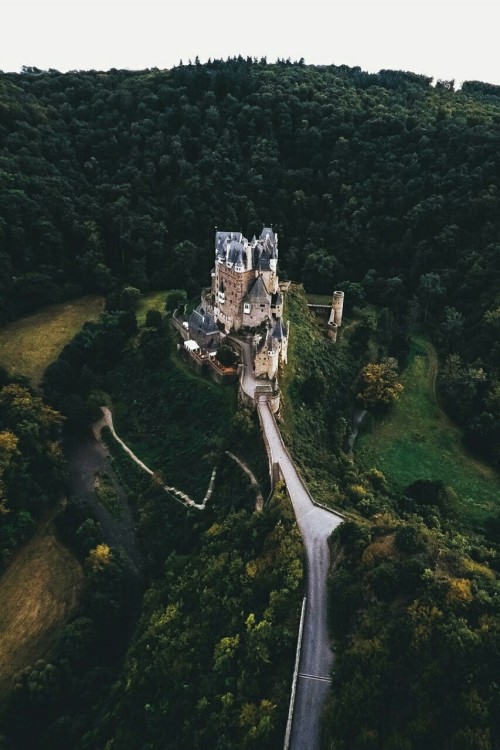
417	441
30	344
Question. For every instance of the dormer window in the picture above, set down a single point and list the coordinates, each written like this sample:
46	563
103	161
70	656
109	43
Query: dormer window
229	264
270	353
239	268
246	307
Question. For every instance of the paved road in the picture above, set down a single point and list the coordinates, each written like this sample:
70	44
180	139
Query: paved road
316	658
315	525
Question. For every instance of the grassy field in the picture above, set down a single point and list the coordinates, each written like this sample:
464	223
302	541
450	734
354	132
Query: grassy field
417	441
319	299
38	591
30	344
150	301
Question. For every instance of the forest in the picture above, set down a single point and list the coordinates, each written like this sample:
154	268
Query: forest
383	185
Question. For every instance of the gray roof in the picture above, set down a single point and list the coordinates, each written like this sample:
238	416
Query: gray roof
268	341
261	258
203	321
258	294
268	240
278	331
237	253
221	237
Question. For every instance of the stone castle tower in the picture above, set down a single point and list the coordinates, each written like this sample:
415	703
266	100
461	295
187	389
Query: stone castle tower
245	289
245	294
335	320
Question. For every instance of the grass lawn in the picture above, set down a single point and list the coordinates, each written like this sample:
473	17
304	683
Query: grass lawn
30	344
38	591
417	441
150	301
319	299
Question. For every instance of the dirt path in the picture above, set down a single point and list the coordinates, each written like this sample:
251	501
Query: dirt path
87	459
107	421
259	499
433	368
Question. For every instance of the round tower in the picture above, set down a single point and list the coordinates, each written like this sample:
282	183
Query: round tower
337	306
332	331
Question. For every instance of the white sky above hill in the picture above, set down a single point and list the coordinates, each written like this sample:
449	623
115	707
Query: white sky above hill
443	38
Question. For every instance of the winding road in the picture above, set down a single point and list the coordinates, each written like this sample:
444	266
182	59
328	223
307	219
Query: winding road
315	525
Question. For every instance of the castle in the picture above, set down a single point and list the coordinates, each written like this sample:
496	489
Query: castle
245	294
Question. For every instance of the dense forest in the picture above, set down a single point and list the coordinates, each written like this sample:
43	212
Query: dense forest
382	185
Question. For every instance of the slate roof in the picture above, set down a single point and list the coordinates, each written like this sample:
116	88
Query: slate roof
223	238
278	331
237	254
265	231
268	341
202	321
258	294
261	258
268	240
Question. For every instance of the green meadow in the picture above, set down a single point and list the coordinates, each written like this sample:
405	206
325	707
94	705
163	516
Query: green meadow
416	440
30	344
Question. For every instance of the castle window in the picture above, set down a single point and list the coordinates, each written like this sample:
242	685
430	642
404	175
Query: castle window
246	307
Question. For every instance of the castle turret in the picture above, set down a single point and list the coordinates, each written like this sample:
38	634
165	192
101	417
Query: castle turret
332	331
337	307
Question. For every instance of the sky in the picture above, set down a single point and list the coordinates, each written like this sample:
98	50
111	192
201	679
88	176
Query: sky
444	39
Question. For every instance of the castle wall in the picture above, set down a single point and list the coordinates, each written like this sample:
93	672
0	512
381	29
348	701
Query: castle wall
266	366
258	314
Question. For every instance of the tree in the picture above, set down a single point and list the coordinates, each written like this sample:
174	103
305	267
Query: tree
320	271
175	298
452	327
100	557
429	291
226	356
378	384
130	298
154	346
153	319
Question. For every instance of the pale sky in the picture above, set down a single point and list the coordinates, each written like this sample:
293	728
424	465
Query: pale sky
443	39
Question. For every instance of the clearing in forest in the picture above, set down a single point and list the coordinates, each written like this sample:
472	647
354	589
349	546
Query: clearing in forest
150	301
38	591
416	440
29	345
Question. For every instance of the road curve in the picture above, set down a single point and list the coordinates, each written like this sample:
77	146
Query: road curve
316	657
315	525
